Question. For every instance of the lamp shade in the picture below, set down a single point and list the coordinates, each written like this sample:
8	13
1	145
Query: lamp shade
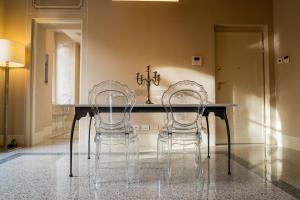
12	54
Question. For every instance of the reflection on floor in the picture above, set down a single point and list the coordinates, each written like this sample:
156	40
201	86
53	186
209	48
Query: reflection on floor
42	173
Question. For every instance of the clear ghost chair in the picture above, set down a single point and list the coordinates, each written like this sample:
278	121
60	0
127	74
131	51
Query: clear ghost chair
182	128
112	103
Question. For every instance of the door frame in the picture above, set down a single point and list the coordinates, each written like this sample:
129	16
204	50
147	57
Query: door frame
35	23
267	72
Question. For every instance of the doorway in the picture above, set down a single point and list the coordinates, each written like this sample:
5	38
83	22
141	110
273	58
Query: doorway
240	80
56	62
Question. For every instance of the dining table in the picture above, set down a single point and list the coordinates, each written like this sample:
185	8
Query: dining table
219	110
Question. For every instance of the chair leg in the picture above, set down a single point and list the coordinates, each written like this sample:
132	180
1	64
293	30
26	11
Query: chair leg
126	155
89	139
97	162
197	153
98	149
126	146
136	158
208	143
169	154
199	150
136	150
158	150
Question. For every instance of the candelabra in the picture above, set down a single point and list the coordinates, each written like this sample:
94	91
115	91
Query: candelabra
142	81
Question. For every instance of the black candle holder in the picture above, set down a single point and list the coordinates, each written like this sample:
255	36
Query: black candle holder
142	81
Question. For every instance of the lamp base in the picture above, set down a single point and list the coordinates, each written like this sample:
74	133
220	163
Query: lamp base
149	101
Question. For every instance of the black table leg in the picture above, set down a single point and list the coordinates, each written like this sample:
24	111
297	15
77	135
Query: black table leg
89	142
228	141
71	143
207	126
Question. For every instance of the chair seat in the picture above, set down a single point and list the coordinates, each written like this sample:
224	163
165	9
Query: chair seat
179	134
116	135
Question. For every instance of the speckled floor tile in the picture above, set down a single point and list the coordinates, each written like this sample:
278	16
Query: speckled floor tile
45	176
42	173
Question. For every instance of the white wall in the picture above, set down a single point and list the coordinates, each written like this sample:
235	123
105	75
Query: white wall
65	69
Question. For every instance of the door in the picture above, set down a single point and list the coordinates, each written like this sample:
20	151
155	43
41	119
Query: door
240	80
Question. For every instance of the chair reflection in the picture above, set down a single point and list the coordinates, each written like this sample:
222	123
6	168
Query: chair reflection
150	180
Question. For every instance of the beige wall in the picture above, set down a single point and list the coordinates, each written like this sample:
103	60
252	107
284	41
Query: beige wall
286	42
1	18
1	73
124	37
43	91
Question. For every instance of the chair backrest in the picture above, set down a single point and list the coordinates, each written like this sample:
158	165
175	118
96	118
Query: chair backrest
112	103
180	93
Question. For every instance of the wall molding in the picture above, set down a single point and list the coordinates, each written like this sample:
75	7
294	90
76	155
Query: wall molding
58	4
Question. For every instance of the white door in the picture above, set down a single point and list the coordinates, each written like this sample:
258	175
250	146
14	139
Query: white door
240	80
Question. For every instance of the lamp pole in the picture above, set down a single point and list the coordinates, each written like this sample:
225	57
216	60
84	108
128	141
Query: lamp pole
6	93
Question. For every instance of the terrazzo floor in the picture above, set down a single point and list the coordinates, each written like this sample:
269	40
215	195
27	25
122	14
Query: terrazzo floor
42	173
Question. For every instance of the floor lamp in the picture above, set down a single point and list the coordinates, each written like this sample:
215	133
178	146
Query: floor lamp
12	55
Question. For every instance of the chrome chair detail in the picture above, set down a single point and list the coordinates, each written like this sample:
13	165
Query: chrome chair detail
182	128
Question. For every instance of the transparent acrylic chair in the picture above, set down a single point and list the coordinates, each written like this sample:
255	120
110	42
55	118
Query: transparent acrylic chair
112	103
182	128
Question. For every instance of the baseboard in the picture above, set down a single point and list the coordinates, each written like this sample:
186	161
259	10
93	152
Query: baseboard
291	142
286	141
40	136
19	138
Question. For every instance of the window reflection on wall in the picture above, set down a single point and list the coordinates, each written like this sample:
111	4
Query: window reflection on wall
66	62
